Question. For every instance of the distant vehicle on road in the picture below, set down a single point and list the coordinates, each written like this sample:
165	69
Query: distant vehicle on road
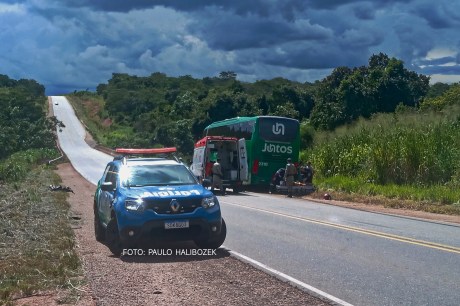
142	199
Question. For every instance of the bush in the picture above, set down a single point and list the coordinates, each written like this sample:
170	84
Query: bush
19	164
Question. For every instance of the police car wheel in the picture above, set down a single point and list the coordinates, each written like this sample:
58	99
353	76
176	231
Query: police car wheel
99	230
216	242
112	238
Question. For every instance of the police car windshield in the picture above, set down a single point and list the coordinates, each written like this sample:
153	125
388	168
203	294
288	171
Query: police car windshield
156	175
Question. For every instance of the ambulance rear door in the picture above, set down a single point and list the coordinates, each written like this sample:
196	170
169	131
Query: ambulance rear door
198	161
242	154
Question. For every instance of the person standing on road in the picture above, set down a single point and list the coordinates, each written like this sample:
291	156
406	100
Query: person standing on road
217	177
289	175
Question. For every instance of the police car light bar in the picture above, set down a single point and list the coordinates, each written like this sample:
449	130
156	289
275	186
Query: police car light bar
146	151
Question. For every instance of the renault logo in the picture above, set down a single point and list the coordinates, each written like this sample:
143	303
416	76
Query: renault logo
175	206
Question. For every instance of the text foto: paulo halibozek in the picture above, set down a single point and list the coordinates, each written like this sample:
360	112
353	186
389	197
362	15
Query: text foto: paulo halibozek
169	252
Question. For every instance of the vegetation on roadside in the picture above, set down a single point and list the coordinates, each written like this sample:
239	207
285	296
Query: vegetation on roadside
411	156
23	121
439	199
36	241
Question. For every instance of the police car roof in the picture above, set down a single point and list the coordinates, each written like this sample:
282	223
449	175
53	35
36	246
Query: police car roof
150	161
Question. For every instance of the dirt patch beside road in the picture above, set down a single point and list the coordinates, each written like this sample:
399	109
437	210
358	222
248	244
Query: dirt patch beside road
168	279
371	207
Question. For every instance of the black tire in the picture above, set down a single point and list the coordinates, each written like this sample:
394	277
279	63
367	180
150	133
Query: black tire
112	238
236	189
99	230
214	243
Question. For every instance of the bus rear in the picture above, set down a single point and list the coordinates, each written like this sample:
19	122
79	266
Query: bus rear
270	141
274	140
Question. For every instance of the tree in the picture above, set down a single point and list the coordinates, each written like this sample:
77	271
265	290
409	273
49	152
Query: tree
436	90
286	110
348	94
227	75
23	121
329	110
222	105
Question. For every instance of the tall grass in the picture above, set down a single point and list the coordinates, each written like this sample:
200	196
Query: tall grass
392	149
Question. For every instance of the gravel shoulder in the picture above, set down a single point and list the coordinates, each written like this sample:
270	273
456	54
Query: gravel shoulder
167	279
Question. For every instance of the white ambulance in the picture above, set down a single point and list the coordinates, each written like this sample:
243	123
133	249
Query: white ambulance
233	160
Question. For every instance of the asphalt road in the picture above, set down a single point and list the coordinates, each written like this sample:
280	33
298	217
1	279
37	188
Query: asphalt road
89	162
360	257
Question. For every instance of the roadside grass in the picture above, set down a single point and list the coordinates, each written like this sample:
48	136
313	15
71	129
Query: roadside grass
441	199
403	160
36	240
90	109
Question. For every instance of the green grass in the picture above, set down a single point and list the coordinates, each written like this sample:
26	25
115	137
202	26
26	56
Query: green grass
402	160
435	198
36	240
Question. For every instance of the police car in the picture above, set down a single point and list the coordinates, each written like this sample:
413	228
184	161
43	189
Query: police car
154	199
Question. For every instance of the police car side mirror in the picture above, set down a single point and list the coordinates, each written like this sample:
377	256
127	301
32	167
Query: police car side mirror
206	183
107	186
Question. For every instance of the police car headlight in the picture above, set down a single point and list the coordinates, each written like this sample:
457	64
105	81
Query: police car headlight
208	202
134	204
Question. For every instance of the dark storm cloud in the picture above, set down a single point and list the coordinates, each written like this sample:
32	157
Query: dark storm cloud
235	32
180	5
314	56
287	8
80	43
435	16
364	12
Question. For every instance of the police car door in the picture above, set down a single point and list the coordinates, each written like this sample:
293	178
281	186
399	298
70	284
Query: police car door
244	173
107	196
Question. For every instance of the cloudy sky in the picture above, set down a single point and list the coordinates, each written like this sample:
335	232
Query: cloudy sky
71	45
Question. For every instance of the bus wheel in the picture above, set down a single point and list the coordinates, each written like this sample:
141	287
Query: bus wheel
236	189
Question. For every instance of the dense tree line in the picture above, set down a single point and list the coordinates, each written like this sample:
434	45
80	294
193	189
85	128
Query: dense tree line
23	121
162	110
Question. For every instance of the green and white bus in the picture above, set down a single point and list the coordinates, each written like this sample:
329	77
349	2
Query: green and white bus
270	141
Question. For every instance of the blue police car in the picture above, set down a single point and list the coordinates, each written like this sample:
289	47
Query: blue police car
154	199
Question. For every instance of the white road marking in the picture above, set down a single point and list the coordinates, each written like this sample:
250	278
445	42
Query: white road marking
286	278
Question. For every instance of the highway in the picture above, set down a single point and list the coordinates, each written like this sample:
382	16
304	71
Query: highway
360	257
